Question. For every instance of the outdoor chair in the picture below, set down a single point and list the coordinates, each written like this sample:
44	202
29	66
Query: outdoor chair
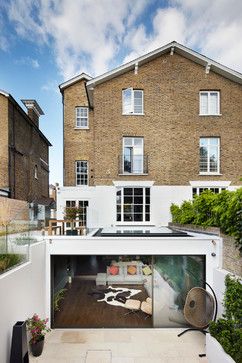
200	308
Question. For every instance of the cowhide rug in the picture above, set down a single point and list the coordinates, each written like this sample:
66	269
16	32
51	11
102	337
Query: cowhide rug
118	296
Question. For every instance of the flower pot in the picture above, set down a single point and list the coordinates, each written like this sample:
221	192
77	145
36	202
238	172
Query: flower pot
37	348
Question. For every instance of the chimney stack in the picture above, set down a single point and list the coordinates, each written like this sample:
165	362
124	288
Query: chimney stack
34	110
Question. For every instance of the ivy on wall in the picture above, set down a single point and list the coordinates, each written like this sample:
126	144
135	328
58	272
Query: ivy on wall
222	210
228	330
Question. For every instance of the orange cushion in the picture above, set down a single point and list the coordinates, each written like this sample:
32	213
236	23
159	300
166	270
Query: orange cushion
132	270
113	270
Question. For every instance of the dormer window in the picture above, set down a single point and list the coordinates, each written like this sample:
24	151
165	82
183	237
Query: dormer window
82	118
209	103
132	101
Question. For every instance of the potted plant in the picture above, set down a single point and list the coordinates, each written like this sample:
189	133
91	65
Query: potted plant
37	328
71	215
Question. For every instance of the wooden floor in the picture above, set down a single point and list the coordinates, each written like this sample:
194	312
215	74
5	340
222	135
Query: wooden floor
80	310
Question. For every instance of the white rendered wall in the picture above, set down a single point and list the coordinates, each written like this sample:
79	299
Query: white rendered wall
22	294
102	203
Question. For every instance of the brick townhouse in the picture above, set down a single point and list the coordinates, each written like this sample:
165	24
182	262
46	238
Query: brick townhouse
24	152
151	132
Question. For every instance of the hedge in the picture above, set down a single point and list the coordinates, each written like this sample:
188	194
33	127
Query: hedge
222	210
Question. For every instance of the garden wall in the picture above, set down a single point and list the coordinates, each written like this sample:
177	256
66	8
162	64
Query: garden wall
15	209
22	295
232	259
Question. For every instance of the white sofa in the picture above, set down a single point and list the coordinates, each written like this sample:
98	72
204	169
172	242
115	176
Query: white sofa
123	277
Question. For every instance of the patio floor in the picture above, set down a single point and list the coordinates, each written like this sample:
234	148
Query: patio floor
122	346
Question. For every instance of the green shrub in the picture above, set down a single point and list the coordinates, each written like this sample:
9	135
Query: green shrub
222	210
9	260
228	330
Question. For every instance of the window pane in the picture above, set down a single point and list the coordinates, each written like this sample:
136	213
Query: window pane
138	200
204	103
213	103
128	217
138	191
128	191
128	200
138	101
138	217
127	100
138	208
147	217
138	141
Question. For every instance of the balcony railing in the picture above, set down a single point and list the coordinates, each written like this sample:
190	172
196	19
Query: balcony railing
136	164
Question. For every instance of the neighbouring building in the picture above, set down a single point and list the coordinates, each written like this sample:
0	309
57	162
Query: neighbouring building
152	132
24	154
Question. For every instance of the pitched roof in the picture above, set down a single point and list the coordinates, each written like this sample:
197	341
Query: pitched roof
73	80
172	47
8	95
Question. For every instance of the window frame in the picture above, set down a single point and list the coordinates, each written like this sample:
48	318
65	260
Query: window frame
145	196
208	172
132	102
196	191
132	146
76	203
80	127
218	103
81	173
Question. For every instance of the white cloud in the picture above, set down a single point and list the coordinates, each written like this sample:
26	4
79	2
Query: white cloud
86	34
212	27
27	61
168	25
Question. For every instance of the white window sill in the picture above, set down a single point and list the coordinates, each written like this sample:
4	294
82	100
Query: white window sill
81	128
210	115
82	185
210	174
133	114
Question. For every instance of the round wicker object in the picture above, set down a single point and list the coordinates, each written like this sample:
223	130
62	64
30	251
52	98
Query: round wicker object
199	308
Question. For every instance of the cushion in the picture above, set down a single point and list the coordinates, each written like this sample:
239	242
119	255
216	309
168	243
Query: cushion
147	270
132	304
113	270
146	308
132	270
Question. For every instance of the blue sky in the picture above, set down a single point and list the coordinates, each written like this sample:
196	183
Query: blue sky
45	42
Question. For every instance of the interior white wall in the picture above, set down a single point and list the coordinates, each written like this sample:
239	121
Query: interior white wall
23	293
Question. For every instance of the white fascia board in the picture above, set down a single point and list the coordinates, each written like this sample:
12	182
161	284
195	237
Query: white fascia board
128	66
212	183
178	48
134	183
2	92
74	80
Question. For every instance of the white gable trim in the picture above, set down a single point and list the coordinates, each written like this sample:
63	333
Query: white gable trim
74	80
